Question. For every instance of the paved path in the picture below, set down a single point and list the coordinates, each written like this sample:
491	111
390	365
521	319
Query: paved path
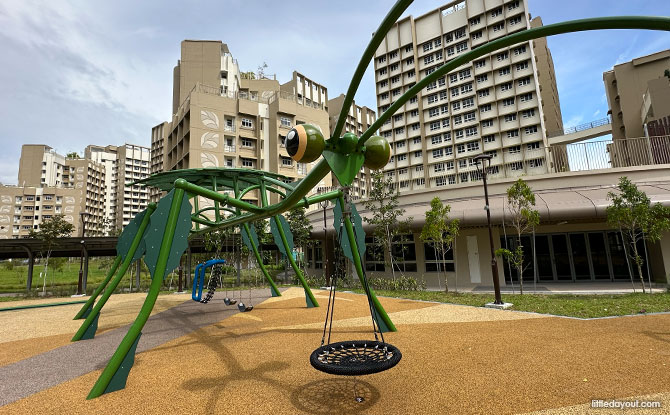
49	369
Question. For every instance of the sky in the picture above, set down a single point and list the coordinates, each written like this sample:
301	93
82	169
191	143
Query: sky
100	72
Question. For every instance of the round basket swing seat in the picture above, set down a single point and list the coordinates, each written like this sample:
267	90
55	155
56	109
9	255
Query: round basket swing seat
355	357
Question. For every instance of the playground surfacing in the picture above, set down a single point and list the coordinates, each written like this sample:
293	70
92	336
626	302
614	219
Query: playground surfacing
456	360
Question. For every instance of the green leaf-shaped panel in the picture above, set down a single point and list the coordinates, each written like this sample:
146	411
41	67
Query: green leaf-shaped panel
126	238
277	237
156	229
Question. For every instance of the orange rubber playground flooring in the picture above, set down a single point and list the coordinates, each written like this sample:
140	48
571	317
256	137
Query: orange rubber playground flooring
456	360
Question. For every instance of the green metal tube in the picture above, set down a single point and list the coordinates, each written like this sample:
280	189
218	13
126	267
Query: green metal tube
599	23
381	313
25	307
136	328
215	196
308	291
257	254
119	275
250	217
379	35
98	290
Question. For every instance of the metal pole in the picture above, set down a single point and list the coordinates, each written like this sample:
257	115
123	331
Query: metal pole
494	262
324	258
81	256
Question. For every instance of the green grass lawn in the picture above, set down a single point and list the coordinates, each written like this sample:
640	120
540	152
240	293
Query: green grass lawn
62	282
583	306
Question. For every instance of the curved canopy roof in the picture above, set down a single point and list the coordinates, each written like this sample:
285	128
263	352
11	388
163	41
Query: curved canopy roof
205	177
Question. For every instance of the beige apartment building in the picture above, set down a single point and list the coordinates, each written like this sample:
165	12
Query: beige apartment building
359	119
124	165
493	105
24	208
637	93
222	118
50	183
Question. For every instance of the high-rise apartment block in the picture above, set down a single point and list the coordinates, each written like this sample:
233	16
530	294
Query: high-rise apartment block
124	165
493	105
225	118
91	192
359	119
638	92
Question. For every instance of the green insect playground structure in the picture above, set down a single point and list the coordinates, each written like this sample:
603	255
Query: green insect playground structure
160	233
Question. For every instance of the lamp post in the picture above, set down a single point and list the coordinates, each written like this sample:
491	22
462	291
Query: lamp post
484	158
80	283
324	258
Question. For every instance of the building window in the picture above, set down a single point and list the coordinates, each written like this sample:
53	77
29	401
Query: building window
482	78
473	145
531	130
526	97
512	133
433	112
374	255
480	63
504	71
427	46
468	102
465	88
514	149
484	93
496	12
469	116
438	153
471	132
248	123
485	108
475	21
477	35
464	74
383	84
436	139
435	125
535	163
528	113
508	102
522	65
438	167
515	20
463	46
533	146
502	56
498	27
510	117
440	181
516	166
524	81
432	98
506	86
487	123
489	138
247	163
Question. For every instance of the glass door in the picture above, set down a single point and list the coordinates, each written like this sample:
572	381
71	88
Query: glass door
580	256
561	257
545	271
601	268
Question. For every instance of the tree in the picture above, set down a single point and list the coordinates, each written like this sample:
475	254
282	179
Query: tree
300	228
50	231
440	233
383	204
72	155
637	219
248	75
261	70
520	202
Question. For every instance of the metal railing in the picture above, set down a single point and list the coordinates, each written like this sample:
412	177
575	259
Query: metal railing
611	154
580	127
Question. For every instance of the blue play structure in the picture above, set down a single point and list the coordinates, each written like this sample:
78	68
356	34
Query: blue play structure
199	277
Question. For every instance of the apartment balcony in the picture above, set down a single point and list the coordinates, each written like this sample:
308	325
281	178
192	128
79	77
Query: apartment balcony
534	120
509	125
525	88
400	136
512	157
524	105
229	148
402	163
382	89
510	141
415	146
493	145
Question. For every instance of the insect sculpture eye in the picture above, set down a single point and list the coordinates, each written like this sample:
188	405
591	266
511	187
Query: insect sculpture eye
377	152
304	143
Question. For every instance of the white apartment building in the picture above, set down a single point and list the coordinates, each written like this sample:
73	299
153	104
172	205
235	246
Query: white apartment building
492	105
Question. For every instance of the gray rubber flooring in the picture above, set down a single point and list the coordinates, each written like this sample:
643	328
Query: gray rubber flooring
32	375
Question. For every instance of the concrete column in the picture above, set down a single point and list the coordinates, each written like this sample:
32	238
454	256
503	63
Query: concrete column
31	264
85	278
